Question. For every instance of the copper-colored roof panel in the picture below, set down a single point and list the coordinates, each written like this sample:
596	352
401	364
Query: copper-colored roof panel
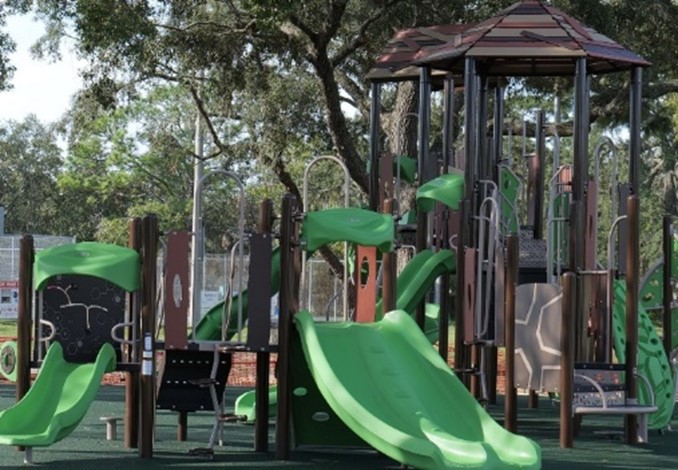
516	41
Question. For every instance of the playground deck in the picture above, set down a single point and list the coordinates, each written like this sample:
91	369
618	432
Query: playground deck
87	447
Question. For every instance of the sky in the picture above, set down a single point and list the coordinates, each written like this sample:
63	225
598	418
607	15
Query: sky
41	87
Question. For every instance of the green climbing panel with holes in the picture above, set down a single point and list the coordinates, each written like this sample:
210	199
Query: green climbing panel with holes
509	189
652	361
8	357
652	292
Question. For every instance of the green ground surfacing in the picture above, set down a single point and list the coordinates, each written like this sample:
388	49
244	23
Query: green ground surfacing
87	447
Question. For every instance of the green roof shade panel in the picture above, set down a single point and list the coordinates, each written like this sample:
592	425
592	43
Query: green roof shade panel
359	226
447	189
116	264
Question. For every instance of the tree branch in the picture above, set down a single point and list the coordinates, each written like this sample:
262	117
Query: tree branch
360	38
210	127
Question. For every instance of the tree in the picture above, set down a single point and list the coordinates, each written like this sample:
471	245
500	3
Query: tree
29	164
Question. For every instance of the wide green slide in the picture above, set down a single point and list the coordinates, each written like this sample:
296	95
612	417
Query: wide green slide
57	401
652	361
389	386
413	283
209	327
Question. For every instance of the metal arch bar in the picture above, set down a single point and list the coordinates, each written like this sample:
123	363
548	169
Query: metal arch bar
198	238
347	185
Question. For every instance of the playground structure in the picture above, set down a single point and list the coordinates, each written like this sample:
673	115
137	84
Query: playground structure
353	382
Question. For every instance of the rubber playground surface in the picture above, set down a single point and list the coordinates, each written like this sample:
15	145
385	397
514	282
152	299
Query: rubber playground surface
598	446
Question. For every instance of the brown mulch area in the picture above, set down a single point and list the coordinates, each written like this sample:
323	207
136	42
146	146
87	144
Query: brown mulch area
244	367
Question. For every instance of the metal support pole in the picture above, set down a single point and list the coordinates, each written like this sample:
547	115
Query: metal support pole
375	104
481	136
540	134
24	319
634	128
425	170
149	251
567	334
632	297
469	130
132	377
448	124
668	285
511	399
498	134
580	170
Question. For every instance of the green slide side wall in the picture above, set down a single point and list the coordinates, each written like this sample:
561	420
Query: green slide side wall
652	361
389	386
57	401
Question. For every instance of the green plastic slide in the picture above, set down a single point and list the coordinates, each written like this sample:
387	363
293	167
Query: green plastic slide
57	401
389	386
246	404
209	327
652	361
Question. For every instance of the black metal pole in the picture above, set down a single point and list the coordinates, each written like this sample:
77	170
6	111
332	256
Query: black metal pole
481	137
469	131
424	167
580	167
448	124
540	134
375	105
667	299
24	318
498	134
634	128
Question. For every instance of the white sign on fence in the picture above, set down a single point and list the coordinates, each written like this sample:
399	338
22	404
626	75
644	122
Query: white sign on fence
9	299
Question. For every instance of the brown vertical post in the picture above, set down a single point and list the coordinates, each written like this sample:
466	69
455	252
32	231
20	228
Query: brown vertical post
511	399
132	356
388	268
182	426
567	333
24	319
632	287
668	285
149	250
288	295
263	357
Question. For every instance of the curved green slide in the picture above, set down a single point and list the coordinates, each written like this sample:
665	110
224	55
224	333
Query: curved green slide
57	401
390	387
652	361
209	326
413	283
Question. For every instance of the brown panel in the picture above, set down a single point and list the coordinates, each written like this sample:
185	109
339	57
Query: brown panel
591	225
366	292
385	179
177	269
453	228
469	293
259	292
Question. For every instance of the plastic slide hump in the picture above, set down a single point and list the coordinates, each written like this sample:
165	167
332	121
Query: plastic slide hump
57	401
391	388
209	326
652	361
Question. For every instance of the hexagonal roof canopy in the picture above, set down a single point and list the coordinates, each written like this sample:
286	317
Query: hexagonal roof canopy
530	39
395	62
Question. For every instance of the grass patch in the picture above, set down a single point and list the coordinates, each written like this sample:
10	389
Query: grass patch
8	328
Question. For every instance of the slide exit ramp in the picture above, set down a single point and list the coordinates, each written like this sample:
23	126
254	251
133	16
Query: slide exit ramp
387	383
57	401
